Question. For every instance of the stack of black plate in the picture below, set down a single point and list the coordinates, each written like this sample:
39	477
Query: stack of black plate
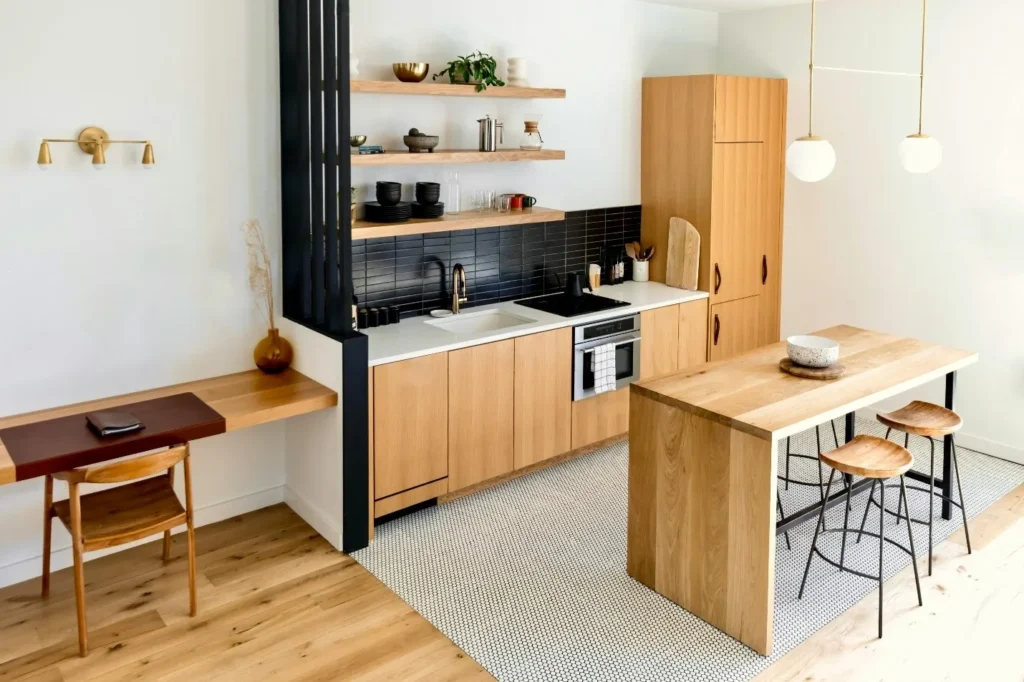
400	212
427	210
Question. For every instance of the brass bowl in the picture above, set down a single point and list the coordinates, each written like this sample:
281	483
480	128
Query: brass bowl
357	140
411	72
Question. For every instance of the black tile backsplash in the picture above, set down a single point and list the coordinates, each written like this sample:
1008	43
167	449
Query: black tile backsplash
502	263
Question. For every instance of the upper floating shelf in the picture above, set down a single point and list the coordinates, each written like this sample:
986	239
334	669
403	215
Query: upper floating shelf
453	90
398	158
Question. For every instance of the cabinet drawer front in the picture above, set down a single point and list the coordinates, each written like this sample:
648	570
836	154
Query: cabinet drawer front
410	426
733	328
737	221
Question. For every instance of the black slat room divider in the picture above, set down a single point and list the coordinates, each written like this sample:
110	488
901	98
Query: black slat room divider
316	226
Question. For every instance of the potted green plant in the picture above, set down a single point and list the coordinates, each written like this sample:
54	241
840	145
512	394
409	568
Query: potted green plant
477	69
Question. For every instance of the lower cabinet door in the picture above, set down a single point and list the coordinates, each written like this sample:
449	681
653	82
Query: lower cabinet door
734	327
410	426
543	396
659	343
693	333
599	418
481	382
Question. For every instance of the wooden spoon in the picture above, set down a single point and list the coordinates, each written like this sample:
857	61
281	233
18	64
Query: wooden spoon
631	252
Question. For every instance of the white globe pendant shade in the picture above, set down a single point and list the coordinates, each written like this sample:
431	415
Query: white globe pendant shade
810	158
920	153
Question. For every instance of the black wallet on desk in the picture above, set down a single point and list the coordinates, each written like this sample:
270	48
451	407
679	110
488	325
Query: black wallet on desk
113	422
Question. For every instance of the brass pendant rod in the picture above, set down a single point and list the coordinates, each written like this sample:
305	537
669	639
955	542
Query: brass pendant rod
871	71
920	96
810	69
54	139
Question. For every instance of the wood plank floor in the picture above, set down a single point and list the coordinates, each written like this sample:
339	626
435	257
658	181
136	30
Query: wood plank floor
276	601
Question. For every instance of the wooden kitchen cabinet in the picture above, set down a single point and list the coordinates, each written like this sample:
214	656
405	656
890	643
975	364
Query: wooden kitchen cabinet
736	217
480	412
543	397
601	417
734	328
659	341
410	426
693	333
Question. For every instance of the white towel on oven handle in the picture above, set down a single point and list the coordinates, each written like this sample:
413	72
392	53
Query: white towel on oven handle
602	363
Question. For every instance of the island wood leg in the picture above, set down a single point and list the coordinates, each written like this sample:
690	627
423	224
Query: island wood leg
701	527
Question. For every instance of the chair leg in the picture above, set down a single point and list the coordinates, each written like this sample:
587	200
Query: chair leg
899	503
778	503
47	533
835	436
867	507
167	545
960	490
910	534
814	543
821	478
193	604
846	525
881	556
931	505
789	452
77	549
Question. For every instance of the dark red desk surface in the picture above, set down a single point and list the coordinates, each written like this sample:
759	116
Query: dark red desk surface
56	445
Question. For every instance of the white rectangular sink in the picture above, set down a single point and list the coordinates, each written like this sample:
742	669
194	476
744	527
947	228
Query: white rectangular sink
475	323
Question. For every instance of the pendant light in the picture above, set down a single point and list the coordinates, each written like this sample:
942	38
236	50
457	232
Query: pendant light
811	158
920	153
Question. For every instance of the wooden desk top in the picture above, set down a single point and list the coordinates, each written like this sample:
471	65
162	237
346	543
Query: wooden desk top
750	393
243	399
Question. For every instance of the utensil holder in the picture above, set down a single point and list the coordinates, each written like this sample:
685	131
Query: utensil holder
641	270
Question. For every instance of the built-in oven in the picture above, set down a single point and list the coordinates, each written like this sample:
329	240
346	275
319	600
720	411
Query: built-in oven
621	332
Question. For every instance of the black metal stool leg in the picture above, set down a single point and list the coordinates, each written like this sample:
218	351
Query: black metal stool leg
881	557
960	490
821	478
846	525
788	453
931	504
899	504
867	507
910	534
778	503
814	543
835	435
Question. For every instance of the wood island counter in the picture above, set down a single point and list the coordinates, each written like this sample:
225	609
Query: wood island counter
703	450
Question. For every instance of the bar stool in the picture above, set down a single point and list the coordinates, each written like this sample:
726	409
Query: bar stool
119	515
877	459
931	421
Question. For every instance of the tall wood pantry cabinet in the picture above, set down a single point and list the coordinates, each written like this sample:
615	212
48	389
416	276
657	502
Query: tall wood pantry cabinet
713	152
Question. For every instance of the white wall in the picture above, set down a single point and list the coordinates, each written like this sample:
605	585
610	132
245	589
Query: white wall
940	256
597	52
126	279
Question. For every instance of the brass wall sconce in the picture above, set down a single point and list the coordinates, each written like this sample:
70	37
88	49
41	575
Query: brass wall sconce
94	142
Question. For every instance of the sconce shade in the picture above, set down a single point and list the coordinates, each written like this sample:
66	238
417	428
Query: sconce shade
920	153
99	159
810	158
147	156
44	159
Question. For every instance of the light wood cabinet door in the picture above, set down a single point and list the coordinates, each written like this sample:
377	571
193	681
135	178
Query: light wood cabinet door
734	328
410	426
601	417
773	191
543	396
739	108
693	333
736	221
659	341
481	382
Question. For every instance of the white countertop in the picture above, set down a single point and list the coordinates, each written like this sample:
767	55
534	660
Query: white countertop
414	336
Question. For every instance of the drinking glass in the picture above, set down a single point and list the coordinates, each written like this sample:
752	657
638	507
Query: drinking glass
504	203
452	206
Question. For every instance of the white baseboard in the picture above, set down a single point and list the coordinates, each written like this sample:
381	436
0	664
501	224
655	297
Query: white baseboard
26	569
976	443
320	520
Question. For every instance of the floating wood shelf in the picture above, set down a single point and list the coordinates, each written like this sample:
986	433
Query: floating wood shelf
401	158
467	220
453	90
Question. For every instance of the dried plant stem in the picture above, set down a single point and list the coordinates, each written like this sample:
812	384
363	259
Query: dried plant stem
261	282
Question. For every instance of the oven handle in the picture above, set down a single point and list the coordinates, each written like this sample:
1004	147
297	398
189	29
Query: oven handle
591	345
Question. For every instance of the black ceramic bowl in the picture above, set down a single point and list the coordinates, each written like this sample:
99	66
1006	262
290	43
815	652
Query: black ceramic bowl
389	196
428	192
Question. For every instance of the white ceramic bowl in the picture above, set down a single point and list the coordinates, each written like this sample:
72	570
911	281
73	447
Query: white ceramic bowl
812	351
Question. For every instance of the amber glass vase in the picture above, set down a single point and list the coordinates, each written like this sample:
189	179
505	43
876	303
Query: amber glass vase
273	354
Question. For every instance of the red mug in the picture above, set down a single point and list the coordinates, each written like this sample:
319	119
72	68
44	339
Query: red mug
516	202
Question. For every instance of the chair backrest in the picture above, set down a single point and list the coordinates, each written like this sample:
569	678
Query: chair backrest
129	469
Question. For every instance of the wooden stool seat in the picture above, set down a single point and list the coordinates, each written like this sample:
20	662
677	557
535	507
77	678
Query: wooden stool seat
923	419
129	512
870	457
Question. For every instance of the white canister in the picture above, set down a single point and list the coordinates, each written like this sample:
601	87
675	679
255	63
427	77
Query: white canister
641	270
517	72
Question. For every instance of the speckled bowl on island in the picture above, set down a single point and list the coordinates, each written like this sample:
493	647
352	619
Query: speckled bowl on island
812	351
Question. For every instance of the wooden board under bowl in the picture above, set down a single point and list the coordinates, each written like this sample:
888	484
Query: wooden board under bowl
821	373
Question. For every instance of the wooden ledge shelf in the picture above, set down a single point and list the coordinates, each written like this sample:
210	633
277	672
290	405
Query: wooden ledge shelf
467	220
402	158
452	90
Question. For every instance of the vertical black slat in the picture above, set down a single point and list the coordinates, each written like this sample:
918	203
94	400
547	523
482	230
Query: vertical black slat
307	249
947	451
355	529
293	166
316	146
345	167
333	201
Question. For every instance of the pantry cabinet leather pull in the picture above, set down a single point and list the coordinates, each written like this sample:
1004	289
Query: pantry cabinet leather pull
764	269
717	327
718	278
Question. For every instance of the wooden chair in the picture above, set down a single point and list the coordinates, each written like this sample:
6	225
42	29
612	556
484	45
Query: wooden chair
119	515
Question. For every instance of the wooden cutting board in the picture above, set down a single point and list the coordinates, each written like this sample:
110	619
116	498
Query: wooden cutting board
683	254
821	373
